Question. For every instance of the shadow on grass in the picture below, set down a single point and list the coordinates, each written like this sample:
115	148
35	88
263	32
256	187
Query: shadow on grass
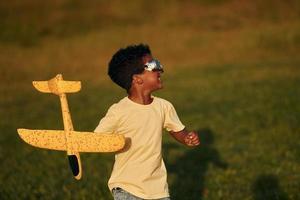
190	169
267	186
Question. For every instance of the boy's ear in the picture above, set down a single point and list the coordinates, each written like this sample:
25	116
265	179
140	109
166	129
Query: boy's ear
137	79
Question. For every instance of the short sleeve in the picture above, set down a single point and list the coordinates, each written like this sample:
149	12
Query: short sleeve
108	123
172	121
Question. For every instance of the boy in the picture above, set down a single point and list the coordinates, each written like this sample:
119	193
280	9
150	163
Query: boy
139	171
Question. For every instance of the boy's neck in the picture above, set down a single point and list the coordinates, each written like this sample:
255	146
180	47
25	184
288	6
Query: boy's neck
143	98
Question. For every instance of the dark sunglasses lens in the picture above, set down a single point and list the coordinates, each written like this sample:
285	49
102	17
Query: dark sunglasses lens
158	66
158	70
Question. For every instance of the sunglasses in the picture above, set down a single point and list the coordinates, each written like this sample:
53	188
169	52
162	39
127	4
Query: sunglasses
153	65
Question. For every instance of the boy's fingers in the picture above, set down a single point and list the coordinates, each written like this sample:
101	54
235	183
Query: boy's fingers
191	135
192	139
195	140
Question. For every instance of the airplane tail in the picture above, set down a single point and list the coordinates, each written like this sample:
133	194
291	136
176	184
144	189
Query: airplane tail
57	85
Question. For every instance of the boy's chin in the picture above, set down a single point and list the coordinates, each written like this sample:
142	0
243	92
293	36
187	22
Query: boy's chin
159	87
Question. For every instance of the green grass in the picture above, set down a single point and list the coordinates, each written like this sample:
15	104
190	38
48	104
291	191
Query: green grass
232	72
247	117
251	125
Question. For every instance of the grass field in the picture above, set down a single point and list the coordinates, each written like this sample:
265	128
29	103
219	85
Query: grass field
232	72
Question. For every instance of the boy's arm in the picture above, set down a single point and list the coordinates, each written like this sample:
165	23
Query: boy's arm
186	137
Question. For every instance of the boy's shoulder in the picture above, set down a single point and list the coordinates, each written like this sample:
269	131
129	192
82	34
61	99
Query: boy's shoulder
161	100
125	104
125	100
166	104
116	106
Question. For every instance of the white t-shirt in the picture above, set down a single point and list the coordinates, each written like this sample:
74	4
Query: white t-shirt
139	168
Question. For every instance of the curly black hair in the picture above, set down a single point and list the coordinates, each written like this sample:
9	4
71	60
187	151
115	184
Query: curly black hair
125	63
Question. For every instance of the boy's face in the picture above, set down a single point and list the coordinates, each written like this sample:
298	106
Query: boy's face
151	79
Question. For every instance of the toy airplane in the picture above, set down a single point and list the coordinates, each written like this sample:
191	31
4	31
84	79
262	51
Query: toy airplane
69	140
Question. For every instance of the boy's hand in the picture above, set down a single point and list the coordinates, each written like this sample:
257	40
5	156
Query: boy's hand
186	137
192	139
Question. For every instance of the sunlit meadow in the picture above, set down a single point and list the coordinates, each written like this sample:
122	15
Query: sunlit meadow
232	70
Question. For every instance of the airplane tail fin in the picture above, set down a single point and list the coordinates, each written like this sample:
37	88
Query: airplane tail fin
57	85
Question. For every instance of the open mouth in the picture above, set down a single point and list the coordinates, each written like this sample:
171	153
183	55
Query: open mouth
159	80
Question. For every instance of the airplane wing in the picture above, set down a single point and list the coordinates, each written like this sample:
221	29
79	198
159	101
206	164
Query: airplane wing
61	86
97	142
81	141
47	139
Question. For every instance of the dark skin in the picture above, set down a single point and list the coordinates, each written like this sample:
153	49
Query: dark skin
140	92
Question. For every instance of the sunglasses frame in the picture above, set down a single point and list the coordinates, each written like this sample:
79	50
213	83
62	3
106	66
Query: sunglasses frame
154	65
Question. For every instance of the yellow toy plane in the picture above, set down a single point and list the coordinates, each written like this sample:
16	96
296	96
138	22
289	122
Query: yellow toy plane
69	140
